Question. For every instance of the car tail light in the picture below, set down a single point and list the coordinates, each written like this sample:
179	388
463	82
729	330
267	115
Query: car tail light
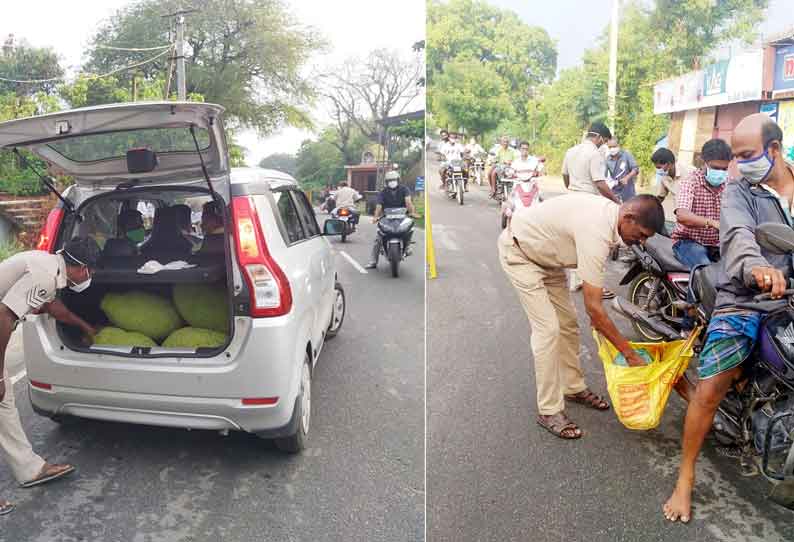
260	401
270	290
40	385
50	230
344	212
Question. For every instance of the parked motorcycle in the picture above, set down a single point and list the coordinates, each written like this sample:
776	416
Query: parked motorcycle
457	175
395	230
755	421
349	216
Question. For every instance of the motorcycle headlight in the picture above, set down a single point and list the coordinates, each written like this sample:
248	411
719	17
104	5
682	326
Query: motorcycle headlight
405	224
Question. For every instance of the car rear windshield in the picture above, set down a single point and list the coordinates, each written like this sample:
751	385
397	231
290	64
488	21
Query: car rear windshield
109	145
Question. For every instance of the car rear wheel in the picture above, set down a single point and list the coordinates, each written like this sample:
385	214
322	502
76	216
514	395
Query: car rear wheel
296	442
338	311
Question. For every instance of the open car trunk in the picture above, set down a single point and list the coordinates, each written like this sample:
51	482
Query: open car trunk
98	218
88	305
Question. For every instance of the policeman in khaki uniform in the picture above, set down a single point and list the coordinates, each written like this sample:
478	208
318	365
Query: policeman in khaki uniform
29	282
567	232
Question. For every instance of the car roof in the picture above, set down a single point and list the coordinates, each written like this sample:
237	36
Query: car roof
271	177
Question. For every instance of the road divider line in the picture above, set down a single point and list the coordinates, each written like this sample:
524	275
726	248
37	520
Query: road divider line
19	376
353	262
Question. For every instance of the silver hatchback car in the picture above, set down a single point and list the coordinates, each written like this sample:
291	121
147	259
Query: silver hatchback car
268	253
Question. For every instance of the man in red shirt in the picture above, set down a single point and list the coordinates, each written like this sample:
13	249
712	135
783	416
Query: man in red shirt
696	237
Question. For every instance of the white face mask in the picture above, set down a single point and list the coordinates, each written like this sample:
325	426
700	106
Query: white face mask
81	287
756	169
614	151
392	184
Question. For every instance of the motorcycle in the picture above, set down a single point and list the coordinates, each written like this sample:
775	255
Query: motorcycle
457	175
349	216
755	421
530	192
395	230
478	169
657	286
505	180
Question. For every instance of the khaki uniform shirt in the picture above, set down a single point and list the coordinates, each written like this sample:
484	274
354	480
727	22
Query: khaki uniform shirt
567	232
30	279
584	164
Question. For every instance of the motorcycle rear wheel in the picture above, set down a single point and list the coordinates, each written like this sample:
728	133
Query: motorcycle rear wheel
663	300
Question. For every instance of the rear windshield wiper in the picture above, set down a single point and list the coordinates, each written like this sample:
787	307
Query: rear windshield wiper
47	181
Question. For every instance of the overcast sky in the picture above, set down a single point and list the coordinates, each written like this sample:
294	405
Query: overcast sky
353	27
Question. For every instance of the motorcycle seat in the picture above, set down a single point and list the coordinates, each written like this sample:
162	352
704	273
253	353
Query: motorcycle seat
704	285
661	249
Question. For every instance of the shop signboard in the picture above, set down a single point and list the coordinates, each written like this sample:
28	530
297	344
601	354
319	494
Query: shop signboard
784	69
786	122
739	79
770	109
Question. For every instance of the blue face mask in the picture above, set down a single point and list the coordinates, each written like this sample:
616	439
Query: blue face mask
716	177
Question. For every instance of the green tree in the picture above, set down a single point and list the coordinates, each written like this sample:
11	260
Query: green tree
319	164
470	95
523	56
25	63
656	41
280	161
248	55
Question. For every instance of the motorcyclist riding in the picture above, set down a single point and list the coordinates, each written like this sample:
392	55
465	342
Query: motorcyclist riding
451	151
503	155
764	194
394	195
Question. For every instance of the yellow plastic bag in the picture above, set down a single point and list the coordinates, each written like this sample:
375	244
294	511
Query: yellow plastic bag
639	394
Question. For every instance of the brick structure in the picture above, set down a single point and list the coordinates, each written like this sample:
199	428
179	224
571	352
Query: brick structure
27	214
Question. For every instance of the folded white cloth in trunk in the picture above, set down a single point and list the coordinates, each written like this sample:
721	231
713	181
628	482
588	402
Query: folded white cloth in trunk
153	266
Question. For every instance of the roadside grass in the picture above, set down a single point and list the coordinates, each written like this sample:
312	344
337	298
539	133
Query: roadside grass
419	204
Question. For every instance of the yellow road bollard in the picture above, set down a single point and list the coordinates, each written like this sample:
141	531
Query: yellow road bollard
430	252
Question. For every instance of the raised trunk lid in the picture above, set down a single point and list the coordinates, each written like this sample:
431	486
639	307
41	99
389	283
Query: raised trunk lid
90	144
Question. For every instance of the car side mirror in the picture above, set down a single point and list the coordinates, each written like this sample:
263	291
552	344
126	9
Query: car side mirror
333	226
775	237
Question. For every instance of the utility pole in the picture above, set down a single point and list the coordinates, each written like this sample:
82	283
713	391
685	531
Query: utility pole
179	50
613	63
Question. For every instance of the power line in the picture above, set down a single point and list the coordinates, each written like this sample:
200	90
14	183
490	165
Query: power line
134	49
90	75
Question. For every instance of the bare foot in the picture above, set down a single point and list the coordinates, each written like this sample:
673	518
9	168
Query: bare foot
679	505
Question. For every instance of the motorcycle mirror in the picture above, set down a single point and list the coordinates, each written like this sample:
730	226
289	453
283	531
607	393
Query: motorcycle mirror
775	237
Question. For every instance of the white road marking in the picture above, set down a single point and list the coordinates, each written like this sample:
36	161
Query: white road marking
353	262
19	376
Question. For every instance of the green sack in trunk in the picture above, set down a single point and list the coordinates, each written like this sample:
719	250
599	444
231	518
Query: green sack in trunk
113	336
194	337
203	305
146	313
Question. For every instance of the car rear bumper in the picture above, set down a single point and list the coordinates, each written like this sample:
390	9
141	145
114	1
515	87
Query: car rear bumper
186	393
165	411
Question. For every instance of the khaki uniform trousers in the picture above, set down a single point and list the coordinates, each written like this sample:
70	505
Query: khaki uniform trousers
14	445
554	330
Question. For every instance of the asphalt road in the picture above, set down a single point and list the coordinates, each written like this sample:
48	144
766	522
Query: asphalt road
494	475
361	479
